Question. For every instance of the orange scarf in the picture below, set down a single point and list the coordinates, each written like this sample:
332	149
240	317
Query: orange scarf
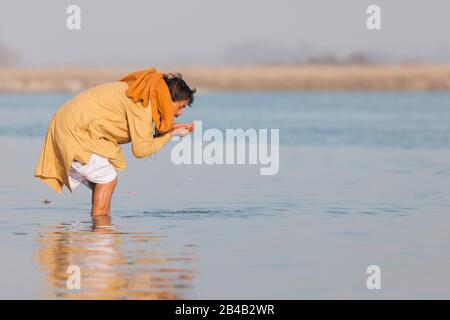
148	85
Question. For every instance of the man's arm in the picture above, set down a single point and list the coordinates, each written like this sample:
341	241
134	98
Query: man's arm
148	147
143	143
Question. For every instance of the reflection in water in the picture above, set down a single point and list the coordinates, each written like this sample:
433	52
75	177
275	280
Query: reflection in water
113	265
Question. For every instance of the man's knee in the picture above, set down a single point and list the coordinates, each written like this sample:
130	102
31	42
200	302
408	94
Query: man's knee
107	187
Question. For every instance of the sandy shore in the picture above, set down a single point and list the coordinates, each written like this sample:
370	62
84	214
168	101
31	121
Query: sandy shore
266	78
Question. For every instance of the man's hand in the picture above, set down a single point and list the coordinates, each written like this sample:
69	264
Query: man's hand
188	126
182	129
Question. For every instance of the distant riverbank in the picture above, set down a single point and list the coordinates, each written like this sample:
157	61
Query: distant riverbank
252	78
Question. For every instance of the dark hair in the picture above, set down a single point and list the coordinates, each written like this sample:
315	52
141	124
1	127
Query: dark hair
178	88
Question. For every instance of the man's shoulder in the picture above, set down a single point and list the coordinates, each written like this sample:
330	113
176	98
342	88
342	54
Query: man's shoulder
115	86
110	93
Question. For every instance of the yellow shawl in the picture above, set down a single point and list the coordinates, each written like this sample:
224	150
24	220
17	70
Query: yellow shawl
148	85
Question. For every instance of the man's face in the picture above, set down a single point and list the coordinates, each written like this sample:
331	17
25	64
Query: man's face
178	107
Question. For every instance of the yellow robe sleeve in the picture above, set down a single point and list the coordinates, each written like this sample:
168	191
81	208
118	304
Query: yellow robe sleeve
140	127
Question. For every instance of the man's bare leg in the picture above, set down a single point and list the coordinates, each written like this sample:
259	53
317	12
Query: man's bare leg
101	198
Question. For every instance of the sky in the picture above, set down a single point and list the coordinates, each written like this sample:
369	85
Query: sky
146	32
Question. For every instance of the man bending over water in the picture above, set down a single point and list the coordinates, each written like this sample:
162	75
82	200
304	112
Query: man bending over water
82	145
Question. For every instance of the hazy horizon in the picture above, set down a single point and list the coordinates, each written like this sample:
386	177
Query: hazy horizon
205	32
